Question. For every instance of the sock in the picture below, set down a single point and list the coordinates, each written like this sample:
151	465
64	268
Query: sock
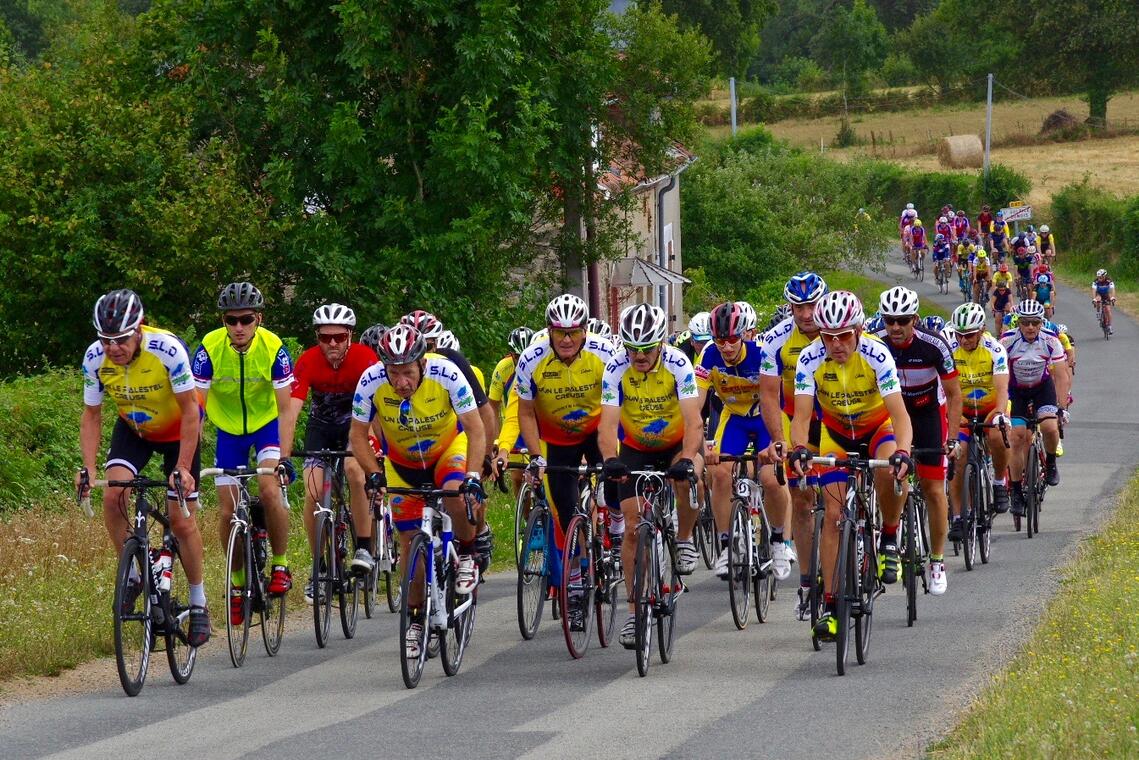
616	523
937	558
280	559
889	533
999	481
364	543
828	601
777	536
723	540
239	577
197	595
466	548
804	581
1051	459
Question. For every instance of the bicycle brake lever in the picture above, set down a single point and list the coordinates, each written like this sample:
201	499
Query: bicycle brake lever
85	500
181	496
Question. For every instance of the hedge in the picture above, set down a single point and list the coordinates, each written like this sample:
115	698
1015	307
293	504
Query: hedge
1096	228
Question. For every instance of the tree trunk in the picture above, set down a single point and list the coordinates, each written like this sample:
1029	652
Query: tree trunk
1097	106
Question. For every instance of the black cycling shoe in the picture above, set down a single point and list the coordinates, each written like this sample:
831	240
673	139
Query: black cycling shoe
1000	498
890	563
1019	507
199	626
955	529
1052	474
576	617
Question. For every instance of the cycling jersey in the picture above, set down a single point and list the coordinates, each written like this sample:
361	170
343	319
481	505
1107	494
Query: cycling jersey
961	226
941	252
331	388
850	396
944	229
1103	289
918	237
1002	299
1043	293
501	380
1029	360
976	369
143	390
781	348
650	401
907	218
567	397
472	374
1046	241
416	431
921	364
737	384
241	384
984	221
981	271
1002	278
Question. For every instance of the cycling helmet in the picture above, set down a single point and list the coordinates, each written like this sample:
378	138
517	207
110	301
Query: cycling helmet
943	220
782	312
700	326
1000	214
643	324
371	337
1045	229
898	301
118	312
875	324
1031	228
909	207
939	238
839	310
805	287
968	317
1062	329
446	340
402	344
334	314
519	339
1029	308
1032	250
1003	268
1043	279
934	323
981	254
917	222
567	312
240	295
541	335
679	339
971	247
1100	273
727	320
600	327
425	322
751	319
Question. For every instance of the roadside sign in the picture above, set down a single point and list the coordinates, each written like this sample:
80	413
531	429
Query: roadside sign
1015	204
1017	213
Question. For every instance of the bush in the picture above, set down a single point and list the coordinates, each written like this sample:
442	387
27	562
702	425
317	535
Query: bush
1097	228
712	115
758	108
800	73
898	70
1003	185
752	140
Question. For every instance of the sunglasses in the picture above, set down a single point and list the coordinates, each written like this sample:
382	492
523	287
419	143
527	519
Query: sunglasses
244	320
327	338
562	334
635	349
728	341
897	320
1030	322
970	334
838	337
116	340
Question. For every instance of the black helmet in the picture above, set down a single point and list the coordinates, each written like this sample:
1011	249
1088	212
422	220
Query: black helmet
118	312
240	295
371	337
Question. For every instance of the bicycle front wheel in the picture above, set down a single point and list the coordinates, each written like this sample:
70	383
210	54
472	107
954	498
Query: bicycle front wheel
133	622
348	583
645	574
910	560
272	608
179	654
372	580
815	598
739	563
393	581
607	568
522	508
533	572
972	492
239	559
846	587
867	562
578	586
415	583
1031	479
669	594
707	537
762	576
454	639
322	577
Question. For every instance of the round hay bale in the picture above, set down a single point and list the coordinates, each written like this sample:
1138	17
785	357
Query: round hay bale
1059	121
960	152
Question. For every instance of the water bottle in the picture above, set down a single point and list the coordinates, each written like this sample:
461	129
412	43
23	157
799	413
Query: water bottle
155	567
661	554
165	569
989	467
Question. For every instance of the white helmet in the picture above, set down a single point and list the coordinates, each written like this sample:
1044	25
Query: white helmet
1030	308
334	314
1100	273
447	340
839	310
968	317
751	320
898	301
600	327
1045	229
943	220
909	207
567	312
643	324
701	326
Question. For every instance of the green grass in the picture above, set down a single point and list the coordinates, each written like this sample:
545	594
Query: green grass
1071	692
869	289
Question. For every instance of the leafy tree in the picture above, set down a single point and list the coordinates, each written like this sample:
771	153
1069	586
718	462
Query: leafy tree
940	53
899	14
851	43
20	30
733	26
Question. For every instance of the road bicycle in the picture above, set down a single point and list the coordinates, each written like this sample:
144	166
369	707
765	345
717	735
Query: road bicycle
913	540
385	559
749	541
151	601
430	577
1101	317
918	267
977	496
248	557
704	533
1034	482
964	285
941	273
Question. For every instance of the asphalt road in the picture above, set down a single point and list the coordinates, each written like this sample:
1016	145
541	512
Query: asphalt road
761	692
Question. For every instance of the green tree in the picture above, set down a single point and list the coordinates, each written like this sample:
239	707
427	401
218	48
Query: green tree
940	53
733	26
851	43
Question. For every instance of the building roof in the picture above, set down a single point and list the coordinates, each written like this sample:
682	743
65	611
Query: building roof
634	272
625	172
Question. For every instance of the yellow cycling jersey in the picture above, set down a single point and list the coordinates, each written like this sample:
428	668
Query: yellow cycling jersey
143	390
501	379
415	432
1002	279
850	396
781	348
975	370
736	384
650	401
567	397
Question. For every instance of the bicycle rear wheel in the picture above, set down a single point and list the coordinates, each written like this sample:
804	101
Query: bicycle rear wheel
815	599
453	641
372	579
739	563
533	572
867	590
412	668
179	654
133	621
762	576
845	589
606	564
522	508
393	581
348	583
910	559
239	557
669	594
985	525
272	608
578	585
645	579
323	568
707	538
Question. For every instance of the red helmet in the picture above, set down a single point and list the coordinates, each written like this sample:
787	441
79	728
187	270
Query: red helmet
425	322
727	321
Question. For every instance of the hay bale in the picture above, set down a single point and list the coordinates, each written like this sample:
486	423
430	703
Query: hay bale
960	152
1059	121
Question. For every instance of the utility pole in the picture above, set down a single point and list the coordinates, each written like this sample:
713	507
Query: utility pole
732	94
988	129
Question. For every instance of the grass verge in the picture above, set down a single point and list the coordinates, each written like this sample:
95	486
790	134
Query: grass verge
869	289
1072	691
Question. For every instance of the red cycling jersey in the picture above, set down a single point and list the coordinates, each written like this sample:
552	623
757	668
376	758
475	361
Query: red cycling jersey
332	389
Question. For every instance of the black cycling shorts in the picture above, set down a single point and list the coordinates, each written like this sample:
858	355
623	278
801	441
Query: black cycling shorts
930	429
1042	397
130	450
563	489
643	460
321	435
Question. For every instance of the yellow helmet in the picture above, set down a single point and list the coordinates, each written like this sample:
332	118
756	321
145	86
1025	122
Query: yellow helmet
981	254
917	222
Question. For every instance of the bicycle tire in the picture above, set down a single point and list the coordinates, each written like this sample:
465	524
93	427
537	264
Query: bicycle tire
412	669
985	526
533	572
372	579
815	598
844	590
452	640
323	568
393	580
739	563
348	583
239	551
972	492
133	629
669	596
706	522
180	656
272	608
762	577
910	559
1031	472
523	506
645	573
607	564
867	591
578	554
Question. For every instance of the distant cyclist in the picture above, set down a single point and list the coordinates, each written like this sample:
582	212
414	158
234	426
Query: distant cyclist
1103	296
1046	242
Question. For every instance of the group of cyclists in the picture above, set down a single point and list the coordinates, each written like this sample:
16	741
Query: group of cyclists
821	380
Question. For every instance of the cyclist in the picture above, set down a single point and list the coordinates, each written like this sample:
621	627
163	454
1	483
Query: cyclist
731	366
371	337
1002	296
1103	297
246	374
853	382
781	348
918	239
781	312
981	276
504	401
932	395
909	214
1039	375
1022	260
982	365
600	328
1063	332
1046	242
423	409
161	416
1045	293
998	235
649	401
942	252
984	224
330	370
943	228
960	226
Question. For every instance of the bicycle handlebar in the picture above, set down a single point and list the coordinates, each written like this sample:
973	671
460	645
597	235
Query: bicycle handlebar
322	454
581	469
140	482
239	472
780	472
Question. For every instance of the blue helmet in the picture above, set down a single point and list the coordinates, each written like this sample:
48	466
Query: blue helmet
934	323
805	287
875	324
